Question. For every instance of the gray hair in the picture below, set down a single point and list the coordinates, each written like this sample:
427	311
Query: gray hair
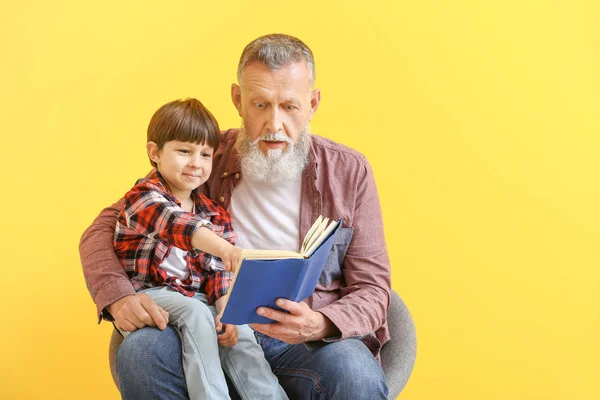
275	51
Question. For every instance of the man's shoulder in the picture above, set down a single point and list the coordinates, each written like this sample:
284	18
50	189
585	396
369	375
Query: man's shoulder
328	150
226	144
228	136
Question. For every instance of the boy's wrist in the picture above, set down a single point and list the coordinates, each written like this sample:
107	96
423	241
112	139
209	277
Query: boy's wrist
224	248
219	303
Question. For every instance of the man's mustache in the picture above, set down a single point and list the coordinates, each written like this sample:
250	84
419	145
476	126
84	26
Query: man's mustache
274	137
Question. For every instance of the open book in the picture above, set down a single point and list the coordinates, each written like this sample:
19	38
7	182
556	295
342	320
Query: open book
266	275
317	233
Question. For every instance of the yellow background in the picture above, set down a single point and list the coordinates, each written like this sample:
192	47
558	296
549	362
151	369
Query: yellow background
480	118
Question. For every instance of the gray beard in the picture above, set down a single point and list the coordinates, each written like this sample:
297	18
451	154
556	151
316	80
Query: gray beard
276	165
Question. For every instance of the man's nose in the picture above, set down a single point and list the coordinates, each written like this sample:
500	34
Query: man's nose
274	122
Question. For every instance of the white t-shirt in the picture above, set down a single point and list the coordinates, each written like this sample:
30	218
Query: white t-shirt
266	215
175	263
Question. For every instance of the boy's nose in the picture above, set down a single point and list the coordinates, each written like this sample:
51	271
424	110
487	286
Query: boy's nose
195	161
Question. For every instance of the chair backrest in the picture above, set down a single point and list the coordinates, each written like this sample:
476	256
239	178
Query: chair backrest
115	341
399	353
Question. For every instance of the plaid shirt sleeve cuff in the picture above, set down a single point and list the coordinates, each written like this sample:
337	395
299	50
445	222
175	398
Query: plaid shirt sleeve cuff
217	285
182	236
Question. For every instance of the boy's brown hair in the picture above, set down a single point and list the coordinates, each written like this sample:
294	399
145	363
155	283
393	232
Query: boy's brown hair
184	120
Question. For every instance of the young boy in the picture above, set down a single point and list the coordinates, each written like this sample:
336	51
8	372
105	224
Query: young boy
178	246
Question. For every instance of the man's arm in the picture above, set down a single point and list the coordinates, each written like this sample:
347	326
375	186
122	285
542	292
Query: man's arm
364	301
107	282
365	295
103	272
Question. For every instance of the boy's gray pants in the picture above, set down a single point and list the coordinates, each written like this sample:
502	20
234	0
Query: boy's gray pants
204	360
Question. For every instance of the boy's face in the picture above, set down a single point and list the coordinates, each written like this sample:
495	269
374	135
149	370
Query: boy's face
184	165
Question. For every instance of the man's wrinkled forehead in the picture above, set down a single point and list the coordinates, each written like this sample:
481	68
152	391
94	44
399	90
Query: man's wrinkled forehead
290	77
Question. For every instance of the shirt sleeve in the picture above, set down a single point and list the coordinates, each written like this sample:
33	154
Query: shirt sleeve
216	285
104	275
221	221
217	279
365	297
150	212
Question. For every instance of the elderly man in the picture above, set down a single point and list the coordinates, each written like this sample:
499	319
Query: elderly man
275	178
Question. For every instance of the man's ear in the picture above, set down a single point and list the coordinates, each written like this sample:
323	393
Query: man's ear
315	100
236	97
152	150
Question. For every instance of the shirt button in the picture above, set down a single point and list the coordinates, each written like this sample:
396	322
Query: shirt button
225	173
221	199
237	175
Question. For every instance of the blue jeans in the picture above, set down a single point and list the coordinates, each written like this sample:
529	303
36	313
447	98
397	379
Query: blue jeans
149	367
344	370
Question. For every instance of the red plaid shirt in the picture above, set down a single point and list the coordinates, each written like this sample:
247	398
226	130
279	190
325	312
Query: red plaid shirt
152	222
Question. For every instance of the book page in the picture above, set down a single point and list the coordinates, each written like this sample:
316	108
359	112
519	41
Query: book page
314	233
321	238
310	234
269	254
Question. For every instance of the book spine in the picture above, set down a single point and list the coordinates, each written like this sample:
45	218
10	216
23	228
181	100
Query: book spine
301	282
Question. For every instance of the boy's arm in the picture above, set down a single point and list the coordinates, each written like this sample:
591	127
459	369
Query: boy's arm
107	282
150	212
220	304
211	243
218	281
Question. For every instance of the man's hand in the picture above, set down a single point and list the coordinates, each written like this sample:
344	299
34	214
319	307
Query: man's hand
301	325
137	311
229	333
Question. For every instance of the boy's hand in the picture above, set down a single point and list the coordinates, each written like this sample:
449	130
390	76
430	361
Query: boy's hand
229	335
231	257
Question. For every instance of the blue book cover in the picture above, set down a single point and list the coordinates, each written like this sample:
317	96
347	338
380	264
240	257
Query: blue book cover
261	282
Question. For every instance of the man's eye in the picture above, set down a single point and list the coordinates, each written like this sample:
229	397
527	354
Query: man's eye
260	105
289	107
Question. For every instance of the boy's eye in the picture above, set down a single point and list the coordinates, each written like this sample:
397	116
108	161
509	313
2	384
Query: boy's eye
184	151
207	155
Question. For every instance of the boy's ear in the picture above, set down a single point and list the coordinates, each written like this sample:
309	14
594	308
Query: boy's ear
152	150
